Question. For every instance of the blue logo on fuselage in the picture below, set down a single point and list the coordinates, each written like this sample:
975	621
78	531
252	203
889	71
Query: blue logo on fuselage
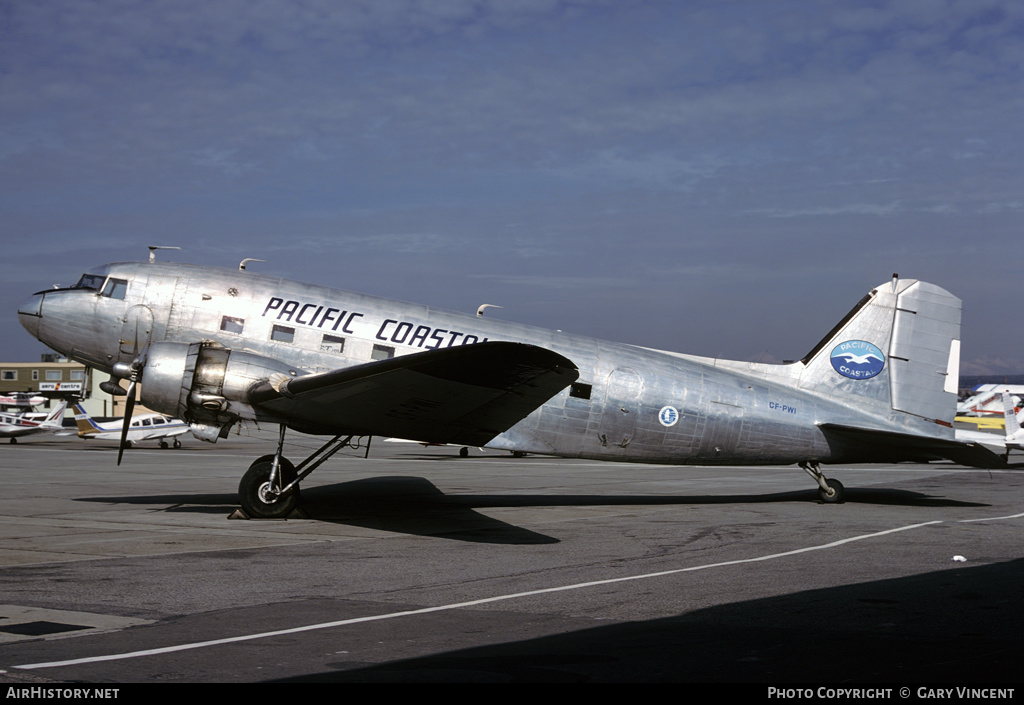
857	359
668	416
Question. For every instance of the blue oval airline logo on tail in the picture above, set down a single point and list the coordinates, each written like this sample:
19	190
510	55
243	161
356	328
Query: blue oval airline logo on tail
857	359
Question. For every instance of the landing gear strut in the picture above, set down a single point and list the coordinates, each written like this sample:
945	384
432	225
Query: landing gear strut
830	491
270	487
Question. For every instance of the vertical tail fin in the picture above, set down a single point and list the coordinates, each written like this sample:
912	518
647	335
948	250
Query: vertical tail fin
895	356
56	417
1014	433
86	426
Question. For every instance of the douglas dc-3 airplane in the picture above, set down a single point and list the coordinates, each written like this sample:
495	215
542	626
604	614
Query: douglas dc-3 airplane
216	346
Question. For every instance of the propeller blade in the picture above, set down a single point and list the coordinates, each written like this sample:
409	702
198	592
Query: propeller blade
129	407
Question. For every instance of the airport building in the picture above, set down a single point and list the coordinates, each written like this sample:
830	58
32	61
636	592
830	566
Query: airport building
56	378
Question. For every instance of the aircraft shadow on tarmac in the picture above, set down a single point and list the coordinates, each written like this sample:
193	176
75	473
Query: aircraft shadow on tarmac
959	625
413	505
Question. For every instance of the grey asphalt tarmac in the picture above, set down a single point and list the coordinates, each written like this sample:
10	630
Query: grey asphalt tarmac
415	565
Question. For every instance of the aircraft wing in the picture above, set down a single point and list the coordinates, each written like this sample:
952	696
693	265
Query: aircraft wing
886	446
464	395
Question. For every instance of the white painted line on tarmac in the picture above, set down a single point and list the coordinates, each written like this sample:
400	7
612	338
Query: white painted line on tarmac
1011	516
461	605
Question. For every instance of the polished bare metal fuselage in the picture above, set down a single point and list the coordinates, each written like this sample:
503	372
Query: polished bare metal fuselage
629	404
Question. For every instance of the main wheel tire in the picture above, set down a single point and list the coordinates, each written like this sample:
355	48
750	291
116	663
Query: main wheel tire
267	459
254	495
837	494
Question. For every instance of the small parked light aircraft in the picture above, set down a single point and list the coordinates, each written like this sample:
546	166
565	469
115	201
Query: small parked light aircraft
14	426
20	399
1011	439
987	399
216	347
144	427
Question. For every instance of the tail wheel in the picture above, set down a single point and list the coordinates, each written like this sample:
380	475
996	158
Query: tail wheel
257	497
836	493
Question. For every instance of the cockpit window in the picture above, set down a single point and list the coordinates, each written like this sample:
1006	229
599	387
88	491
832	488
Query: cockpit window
92	282
115	288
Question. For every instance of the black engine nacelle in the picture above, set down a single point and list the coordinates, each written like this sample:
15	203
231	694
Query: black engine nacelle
206	384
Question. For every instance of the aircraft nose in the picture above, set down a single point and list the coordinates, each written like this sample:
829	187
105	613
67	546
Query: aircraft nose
30	313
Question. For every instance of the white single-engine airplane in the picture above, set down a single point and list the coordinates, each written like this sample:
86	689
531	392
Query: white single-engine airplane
14	426
217	346
1012	437
987	399
20	399
144	427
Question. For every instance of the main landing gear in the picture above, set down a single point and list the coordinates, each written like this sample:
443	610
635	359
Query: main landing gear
830	491
270	487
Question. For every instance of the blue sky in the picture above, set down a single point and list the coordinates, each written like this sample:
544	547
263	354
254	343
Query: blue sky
720	178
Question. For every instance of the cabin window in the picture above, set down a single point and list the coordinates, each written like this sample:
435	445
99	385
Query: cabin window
332	344
229	324
115	288
93	282
147	422
382	352
580	390
282	334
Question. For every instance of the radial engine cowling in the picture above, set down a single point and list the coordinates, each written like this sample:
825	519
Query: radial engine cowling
206	384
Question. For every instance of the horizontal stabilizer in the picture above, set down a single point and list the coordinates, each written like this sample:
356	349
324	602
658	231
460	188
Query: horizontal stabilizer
858	444
465	395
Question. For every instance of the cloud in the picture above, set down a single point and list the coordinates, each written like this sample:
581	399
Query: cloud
554	281
852	209
570	147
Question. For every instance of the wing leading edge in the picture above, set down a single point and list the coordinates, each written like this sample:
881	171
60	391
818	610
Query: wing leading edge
465	395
